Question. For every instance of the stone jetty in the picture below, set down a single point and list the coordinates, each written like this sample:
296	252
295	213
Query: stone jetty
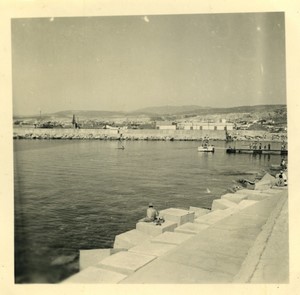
138	134
242	239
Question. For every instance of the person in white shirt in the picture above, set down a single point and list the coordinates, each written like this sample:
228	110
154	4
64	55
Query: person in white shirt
151	214
281	179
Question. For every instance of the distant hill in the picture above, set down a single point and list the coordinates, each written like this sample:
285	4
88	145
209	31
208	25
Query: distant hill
240	109
169	110
186	110
78	113
198	110
88	114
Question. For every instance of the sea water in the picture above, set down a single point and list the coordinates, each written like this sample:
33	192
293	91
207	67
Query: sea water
72	195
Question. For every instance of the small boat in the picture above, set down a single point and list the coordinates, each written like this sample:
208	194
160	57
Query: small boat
206	147
209	148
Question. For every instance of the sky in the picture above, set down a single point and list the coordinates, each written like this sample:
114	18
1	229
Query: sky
124	63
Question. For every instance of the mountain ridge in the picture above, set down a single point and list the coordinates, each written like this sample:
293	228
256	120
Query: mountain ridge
159	111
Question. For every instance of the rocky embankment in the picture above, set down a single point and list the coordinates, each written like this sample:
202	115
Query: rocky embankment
142	134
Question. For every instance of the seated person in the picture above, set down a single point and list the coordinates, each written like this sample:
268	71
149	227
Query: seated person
152	214
281	179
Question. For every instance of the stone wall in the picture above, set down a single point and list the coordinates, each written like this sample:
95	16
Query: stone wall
129	134
141	134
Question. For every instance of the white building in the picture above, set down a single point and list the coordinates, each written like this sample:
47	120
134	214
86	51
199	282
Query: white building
207	125
165	125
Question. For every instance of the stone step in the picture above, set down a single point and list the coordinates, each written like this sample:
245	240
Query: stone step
199	211
171	238
215	216
236	197
125	262
220	204
246	203
130	239
95	275
256	195
268	191
280	188
153	230
179	216
191	228
92	257
161	271
153	249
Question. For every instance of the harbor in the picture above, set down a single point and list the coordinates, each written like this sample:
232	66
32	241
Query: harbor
171	174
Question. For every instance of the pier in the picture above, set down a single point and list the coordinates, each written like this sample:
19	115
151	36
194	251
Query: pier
256	151
242	239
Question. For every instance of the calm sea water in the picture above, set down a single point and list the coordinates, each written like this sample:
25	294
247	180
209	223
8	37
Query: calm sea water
72	195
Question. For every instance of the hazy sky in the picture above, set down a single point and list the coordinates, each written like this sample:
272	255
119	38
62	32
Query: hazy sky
130	62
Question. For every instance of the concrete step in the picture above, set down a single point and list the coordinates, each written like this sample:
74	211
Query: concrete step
150	228
171	238
236	197
220	204
199	211
125	262
92	257
214	255
179	216
166	272
214	216
130	239
257	195
154	249
191	228
245	203
95	275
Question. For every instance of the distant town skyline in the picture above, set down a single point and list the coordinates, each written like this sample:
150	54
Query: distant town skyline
125	63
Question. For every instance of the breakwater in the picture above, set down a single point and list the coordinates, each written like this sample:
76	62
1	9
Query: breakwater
142	134
232	243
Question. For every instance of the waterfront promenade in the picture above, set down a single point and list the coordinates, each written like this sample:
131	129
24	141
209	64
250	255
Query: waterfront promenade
244	239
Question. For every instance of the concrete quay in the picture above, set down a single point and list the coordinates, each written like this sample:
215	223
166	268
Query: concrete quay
244	239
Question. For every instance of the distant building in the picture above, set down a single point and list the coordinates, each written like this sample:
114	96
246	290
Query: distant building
166	125
206	125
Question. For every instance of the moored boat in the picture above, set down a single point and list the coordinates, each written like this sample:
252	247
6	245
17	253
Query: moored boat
206	146
209	148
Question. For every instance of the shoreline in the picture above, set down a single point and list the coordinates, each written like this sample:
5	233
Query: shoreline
145	134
